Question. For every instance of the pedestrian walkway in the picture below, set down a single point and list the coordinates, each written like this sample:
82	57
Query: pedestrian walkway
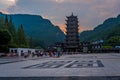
87	66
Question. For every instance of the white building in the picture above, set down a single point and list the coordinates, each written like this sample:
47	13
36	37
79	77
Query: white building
117	46
19	51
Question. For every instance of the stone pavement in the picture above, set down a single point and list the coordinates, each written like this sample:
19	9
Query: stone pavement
67	67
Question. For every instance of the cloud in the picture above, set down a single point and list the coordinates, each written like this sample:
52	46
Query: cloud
7	2
90	12
80	28
4	4
4	11
63	28
59	1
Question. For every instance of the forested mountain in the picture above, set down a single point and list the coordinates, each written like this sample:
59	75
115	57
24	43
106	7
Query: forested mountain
109	28
40	30
10	37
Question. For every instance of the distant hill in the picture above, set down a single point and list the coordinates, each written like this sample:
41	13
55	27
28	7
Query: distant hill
42	30
103	31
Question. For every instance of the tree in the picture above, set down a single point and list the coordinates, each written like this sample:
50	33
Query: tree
5	38
12	30
6	19
6	22
22	42
113	41
11	27
39	44
1	23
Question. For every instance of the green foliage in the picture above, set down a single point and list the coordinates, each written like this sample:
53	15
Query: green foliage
13	33
38	44
12	29
9	23
115	31
110	27
12	45
21	37
6	19
41	29
9	37
113	41
1	23
107	47
4	48
5	37
6	22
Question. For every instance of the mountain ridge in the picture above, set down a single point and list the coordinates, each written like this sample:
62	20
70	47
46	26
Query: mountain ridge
102	31
42	30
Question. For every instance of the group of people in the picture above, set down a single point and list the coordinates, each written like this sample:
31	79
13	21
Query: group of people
55	54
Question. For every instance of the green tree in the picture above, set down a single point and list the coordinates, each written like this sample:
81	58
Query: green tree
1	23
5	38
6	22
12	30
39	44
113	41
22	42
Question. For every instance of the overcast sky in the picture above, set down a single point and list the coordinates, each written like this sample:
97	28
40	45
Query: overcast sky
90	12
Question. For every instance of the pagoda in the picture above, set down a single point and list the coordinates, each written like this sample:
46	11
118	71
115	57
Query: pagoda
72	38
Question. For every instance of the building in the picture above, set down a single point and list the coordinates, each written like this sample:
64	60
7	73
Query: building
72	38
25	51
85	47
72	43
21	51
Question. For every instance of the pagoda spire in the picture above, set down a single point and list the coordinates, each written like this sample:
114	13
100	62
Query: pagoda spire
72	14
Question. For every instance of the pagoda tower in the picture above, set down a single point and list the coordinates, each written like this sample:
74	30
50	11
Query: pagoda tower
72	38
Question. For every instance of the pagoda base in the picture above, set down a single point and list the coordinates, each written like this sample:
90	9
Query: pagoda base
72	49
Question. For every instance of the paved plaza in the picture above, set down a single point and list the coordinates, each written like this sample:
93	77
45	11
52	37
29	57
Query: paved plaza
73	67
